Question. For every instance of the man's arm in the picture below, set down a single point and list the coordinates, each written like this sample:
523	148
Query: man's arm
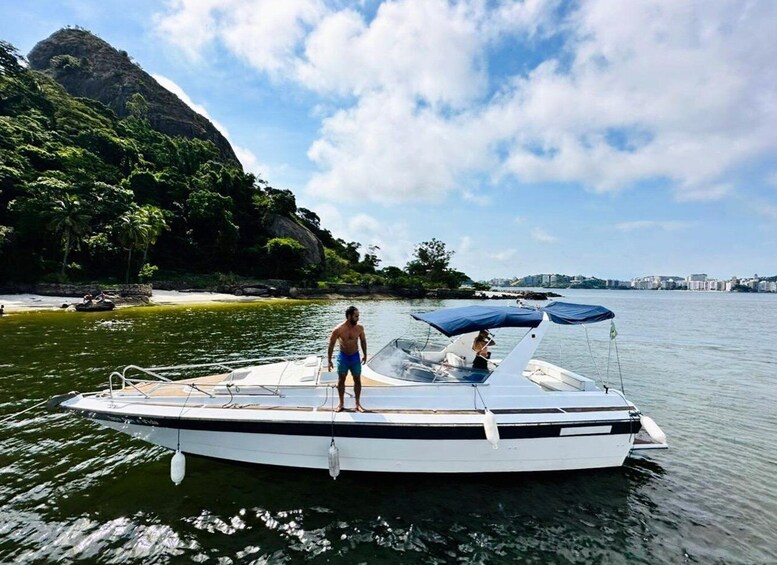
363	340
332	340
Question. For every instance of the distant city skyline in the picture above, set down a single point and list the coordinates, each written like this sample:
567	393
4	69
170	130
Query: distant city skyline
754	275
692	282
600	137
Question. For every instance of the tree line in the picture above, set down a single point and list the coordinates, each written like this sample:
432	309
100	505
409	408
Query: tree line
85	195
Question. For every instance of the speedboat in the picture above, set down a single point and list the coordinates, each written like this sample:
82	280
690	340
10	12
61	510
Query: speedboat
96	306
429	410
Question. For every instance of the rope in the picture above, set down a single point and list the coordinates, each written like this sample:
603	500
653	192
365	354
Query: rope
333	413
620	372
591	351
178	444
12	416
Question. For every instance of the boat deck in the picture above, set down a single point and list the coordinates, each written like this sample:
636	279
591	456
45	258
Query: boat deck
216	384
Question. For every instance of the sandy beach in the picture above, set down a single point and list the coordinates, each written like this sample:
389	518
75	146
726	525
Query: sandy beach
30	302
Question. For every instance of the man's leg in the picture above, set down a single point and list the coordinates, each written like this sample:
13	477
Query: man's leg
341	390
357	391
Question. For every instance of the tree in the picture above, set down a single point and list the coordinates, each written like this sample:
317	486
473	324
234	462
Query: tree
9	59
370	263
70	221
309	217
155	221
133	231
431	260
335	266
285	256
137	106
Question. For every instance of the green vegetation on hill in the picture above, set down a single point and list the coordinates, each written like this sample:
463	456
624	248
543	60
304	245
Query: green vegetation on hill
84	194
87	195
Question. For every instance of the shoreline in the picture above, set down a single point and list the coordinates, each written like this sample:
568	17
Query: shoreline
21	303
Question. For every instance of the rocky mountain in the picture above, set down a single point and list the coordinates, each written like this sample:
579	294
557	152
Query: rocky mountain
86	66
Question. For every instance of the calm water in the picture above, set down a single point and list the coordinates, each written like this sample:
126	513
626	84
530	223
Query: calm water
704	366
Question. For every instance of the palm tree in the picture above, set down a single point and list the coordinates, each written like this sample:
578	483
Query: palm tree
70	221
133	231
155	219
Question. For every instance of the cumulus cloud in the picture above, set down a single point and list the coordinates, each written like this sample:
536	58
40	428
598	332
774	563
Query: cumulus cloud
388	150
427	49
264	33
640	91
393	239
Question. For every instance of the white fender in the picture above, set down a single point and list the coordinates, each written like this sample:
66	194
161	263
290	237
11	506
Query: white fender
652	429
492	431
178	467
334	460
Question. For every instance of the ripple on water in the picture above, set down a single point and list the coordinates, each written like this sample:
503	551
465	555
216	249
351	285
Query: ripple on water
73	491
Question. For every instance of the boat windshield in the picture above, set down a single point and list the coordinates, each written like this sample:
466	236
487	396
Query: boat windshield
421	361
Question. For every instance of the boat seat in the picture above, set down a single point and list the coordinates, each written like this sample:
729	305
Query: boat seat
455	360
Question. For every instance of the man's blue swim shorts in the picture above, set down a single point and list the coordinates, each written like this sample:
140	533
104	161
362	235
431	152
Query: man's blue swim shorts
352	362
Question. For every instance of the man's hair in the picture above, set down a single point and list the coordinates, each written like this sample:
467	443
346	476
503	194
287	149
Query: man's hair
350	310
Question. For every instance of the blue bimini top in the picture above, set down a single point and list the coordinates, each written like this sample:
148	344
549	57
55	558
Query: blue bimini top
465	319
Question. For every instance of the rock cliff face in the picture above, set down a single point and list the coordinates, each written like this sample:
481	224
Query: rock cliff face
96	70
281	226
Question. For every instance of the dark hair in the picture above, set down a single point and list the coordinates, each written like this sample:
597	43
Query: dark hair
350	310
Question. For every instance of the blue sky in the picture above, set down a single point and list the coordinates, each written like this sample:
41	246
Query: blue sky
606	138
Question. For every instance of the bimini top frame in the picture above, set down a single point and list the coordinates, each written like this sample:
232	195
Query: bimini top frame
466	319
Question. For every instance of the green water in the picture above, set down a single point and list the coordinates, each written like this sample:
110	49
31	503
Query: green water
702	366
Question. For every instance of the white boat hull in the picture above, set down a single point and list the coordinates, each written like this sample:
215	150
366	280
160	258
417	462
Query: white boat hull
566	452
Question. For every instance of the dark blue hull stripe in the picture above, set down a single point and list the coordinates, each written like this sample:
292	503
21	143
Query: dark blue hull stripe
373	431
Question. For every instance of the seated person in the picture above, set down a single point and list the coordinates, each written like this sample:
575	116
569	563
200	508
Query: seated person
88	299
480	347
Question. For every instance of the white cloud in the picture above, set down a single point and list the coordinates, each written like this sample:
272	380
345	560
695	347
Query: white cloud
538	234
393	239
388	150
640	91
654	90
519	220
264	33
703	193
189	24
651	225
427	49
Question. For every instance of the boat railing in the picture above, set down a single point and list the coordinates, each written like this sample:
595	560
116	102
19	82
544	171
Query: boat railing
153	375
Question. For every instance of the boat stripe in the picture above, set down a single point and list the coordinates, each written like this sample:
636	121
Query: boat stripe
364	430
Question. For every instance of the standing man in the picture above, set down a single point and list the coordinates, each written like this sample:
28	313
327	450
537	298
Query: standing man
350	333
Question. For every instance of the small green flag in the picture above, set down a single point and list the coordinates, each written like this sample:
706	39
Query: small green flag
613	331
